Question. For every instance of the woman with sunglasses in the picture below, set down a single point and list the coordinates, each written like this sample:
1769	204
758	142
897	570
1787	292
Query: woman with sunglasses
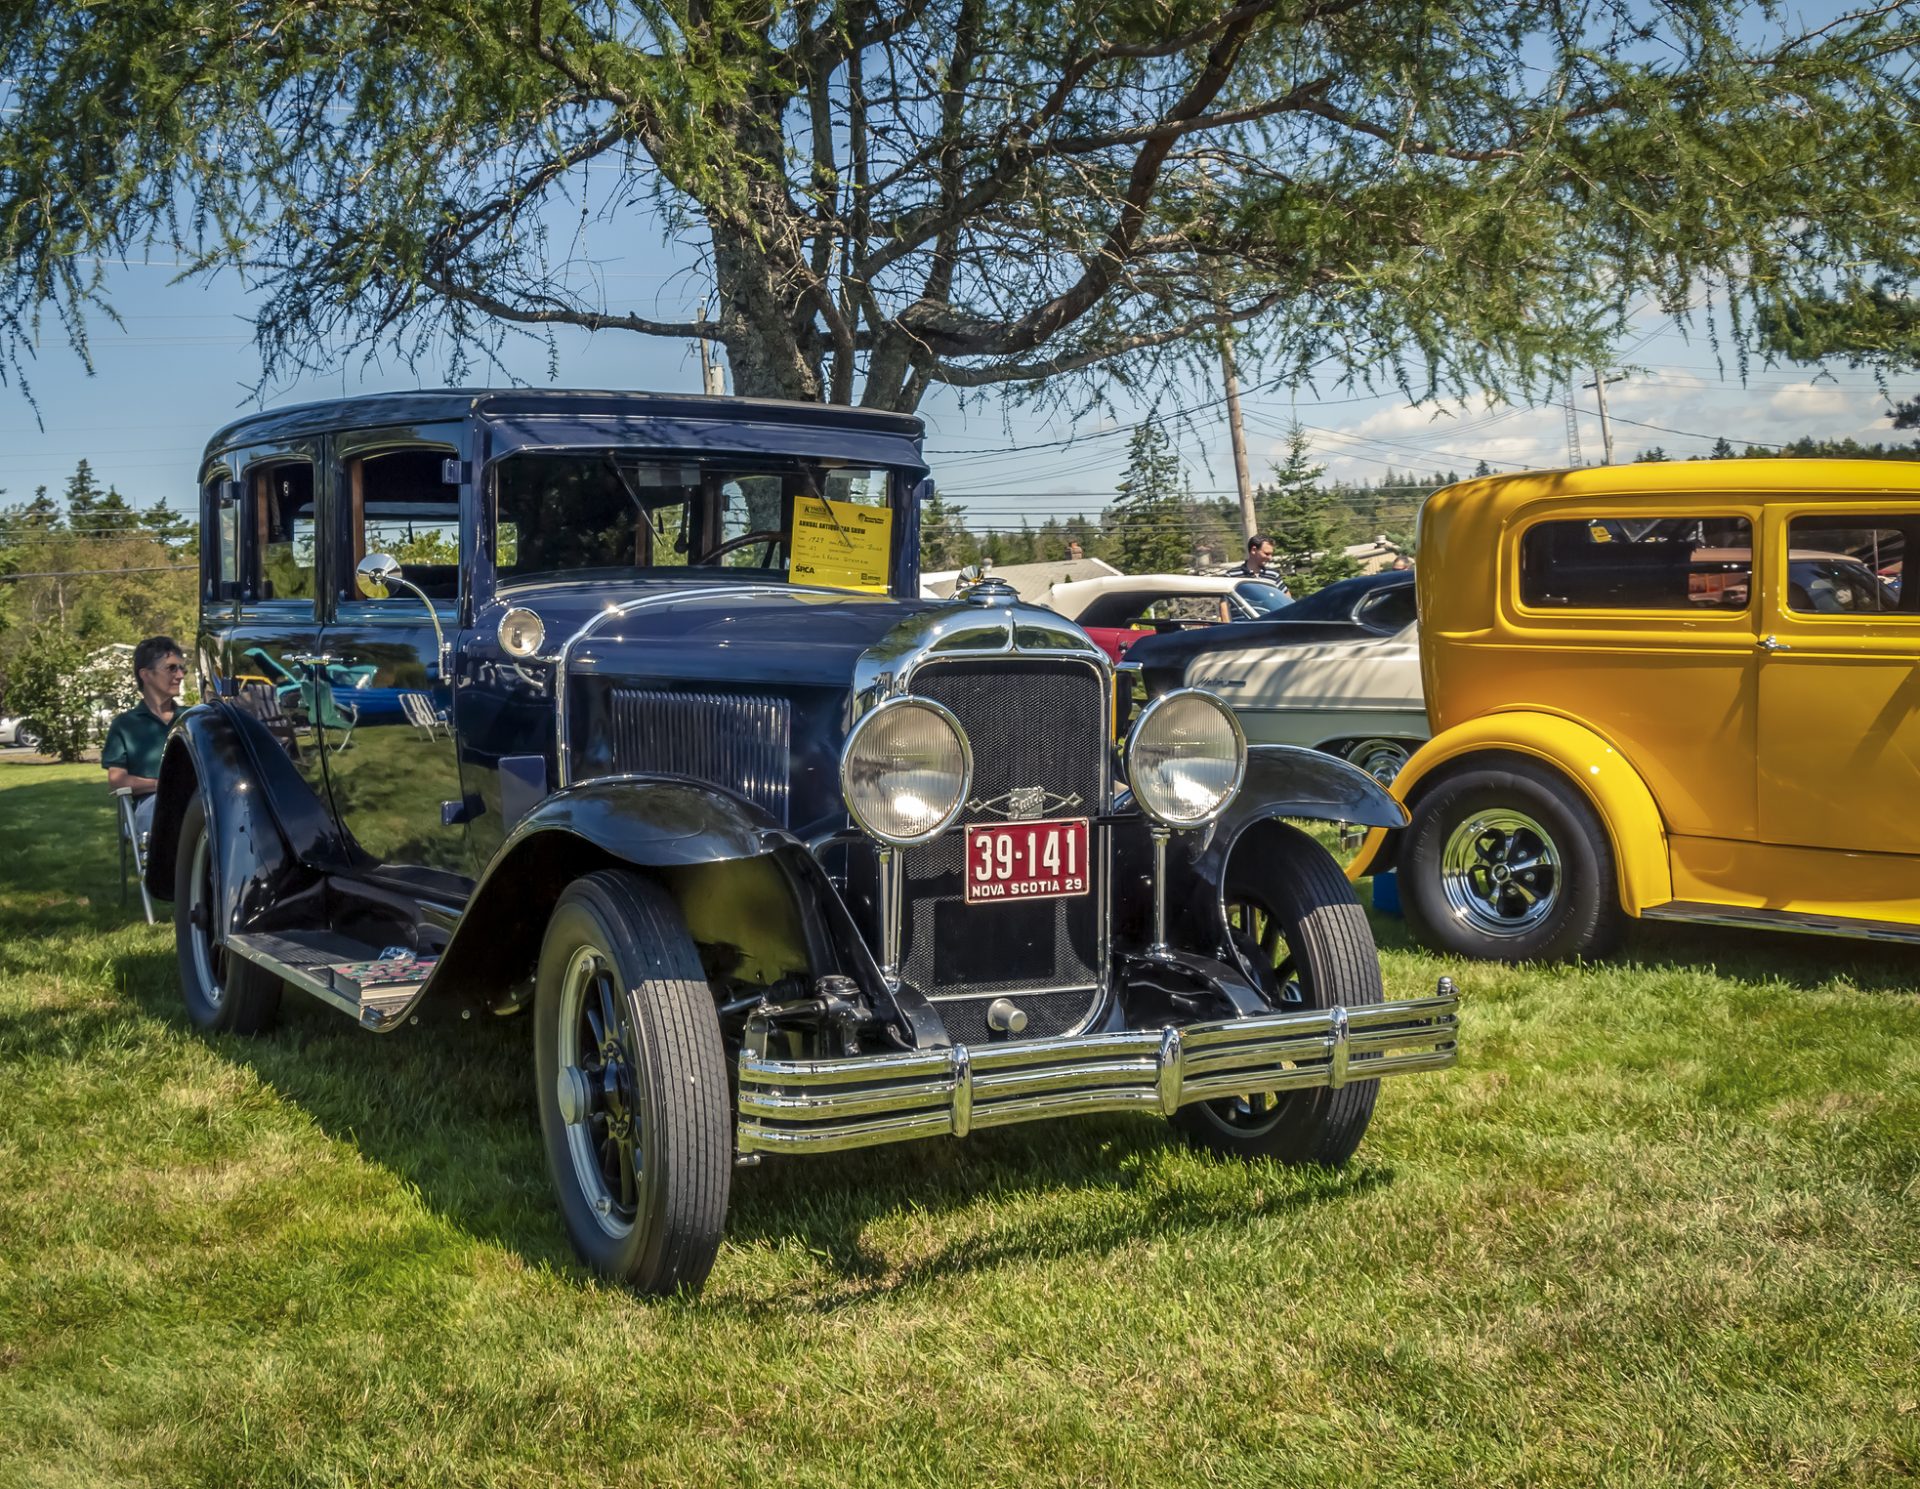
137	738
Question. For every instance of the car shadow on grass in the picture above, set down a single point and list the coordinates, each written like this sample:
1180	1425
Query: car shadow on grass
446	1106
1801	961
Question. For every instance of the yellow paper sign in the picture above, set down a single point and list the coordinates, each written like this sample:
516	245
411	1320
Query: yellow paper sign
841	545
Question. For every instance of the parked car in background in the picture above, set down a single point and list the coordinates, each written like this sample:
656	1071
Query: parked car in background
1381	603
1351	694
19	733
667	753
1119	610
1332	672
1679	692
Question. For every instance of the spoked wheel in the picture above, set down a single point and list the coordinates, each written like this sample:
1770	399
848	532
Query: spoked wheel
1302	936
223	994
631	1080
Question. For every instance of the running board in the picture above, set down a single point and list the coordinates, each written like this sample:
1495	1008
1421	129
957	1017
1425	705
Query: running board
374	990
1758	918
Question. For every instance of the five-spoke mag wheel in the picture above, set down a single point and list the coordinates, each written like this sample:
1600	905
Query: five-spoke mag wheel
1505	859
1500	869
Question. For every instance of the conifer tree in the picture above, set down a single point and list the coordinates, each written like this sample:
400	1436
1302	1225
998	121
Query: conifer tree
1149	522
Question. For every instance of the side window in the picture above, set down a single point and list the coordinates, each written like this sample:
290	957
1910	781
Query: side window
281	498
1638	563
1392	609
1850	565
220	539
397	503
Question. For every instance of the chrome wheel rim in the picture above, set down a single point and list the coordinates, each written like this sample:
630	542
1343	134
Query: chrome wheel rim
1383	759
598	1090
207	960
1500	872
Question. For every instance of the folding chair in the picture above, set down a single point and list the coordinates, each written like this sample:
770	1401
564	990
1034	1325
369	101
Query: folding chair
133	844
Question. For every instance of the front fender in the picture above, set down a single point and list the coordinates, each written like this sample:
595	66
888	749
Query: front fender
736	874
1616	791
1283	781
273	839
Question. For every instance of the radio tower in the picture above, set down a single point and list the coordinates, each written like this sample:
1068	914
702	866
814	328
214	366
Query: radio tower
1573	428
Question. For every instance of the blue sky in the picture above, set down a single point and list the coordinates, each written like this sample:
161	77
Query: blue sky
184	363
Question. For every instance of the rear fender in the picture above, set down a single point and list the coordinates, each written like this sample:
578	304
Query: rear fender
1614	789
750	892
274	839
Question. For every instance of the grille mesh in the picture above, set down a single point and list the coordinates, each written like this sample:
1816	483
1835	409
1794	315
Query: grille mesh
1032	724
729	739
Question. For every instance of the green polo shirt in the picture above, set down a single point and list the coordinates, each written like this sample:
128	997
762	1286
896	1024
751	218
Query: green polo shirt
135	741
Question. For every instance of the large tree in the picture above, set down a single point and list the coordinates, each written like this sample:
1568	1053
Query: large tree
890	194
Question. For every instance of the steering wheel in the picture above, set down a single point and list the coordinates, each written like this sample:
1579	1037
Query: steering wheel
769	538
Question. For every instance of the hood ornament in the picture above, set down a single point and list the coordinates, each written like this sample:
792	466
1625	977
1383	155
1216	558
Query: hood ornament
1025	803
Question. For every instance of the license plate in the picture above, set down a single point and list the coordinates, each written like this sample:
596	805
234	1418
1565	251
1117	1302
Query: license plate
1026	861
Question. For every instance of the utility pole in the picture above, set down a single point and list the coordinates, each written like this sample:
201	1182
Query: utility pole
713	378
1599	386
1249	523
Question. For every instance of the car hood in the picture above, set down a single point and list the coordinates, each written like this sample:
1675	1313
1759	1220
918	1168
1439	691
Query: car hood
1379	671
727	631
1164	660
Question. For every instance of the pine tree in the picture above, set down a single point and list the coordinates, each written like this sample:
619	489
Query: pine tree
1149	522
1305	521
945	542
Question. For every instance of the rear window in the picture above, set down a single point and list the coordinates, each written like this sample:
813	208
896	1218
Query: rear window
1638	563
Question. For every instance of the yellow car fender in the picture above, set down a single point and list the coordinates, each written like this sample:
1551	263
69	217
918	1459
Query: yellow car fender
1626	807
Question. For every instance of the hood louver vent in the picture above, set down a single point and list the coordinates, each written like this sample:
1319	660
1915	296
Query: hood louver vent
728	739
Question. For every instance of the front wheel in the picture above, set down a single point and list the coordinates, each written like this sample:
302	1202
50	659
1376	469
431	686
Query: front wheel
631	1080
1507	862
1297	929
224	994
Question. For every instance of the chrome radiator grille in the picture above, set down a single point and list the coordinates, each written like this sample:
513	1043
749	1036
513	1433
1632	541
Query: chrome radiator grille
734	740
1032	724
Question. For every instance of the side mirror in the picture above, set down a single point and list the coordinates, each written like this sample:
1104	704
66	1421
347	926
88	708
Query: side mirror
374	573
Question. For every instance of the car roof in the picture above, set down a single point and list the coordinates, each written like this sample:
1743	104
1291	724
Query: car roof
1079	591
443	404
1340	597
1813	480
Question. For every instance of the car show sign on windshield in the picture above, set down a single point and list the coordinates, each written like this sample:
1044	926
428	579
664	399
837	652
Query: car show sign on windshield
843	545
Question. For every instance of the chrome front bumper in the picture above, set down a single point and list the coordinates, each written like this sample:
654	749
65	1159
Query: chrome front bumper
822	1106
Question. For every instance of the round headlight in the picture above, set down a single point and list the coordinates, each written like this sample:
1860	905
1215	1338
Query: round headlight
1186	758
906	771
520	633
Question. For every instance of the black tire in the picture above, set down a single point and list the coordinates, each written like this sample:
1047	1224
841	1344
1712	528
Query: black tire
224	994
27	736
626	1036
1485	821
1300	929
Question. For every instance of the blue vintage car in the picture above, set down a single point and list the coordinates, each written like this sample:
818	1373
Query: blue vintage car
621	710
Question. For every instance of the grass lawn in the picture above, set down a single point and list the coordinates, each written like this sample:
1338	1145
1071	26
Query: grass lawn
1662	1225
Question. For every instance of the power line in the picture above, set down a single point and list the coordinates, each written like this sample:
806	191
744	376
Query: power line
91	573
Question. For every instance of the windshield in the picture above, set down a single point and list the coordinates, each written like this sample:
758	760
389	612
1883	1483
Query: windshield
561	514
1264	598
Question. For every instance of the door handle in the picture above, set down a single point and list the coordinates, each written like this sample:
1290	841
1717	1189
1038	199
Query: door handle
311	659
1774	643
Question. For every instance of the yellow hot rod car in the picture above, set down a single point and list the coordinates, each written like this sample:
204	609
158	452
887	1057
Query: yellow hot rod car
1681	692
